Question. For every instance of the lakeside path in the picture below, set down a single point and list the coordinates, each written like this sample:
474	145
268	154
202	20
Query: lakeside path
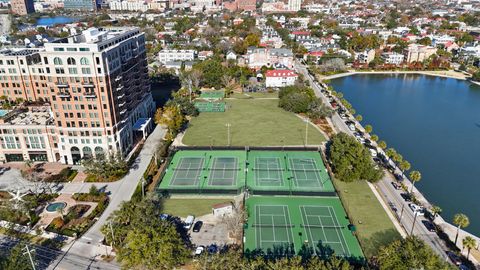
406	220
444	74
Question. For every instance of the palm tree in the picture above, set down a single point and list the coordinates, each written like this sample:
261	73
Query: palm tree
469	243
415	176
390	152
436	210
405	166
359	118
368	128
462	221
374	138
382	144
397	158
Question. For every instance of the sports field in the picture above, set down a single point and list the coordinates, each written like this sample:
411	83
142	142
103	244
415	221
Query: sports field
196	171
253	122
286	225
287	172
212	95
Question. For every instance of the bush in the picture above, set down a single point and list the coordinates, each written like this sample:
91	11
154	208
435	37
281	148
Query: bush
66	174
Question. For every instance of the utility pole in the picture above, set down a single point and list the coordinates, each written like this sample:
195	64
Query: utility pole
29	252
413	225
143	188
228	125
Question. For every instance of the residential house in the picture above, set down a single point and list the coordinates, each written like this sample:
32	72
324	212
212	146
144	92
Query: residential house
165	56
280	78
418	53
392	58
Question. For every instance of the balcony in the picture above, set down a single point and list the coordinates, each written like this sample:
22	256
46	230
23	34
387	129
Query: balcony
88	84
62	84
120	88
121	96
63	94
118	78
90	94
122	104
123	111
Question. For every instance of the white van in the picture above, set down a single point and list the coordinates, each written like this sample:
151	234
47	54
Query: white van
189	222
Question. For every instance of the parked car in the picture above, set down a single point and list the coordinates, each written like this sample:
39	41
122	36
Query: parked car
398	177
429	225
199	250
407	197
212	249
454	258
392	206
197	226
417	209
188	222
396	185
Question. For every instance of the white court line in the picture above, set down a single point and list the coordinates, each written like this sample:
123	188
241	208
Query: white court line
307	232
343	236
291	230
338	235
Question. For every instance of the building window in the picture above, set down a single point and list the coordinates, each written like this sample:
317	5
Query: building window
71	61
57	61
84	61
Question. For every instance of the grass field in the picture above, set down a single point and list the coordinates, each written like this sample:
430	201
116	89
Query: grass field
254	122
254	95
185	207
374	227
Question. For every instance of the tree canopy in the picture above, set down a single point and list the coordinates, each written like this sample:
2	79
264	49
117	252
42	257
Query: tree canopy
350	160
410	253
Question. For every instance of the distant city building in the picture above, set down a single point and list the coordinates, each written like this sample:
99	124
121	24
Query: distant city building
418	53
245	5
392	58
80	4
280	78
294	5
365	57
95	91
269	57
165	56
22	7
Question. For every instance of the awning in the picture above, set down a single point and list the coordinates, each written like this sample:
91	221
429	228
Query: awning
141	124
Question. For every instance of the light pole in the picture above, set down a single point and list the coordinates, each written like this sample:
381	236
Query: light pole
306	130
413	225
143	188
228	125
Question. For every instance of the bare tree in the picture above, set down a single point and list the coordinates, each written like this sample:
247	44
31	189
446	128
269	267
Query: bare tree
235	221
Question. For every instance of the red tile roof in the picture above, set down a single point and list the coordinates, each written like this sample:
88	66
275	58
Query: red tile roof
280	73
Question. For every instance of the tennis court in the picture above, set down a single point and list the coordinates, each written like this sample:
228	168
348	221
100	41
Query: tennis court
283	225
322	229
212	94
210	106
223	171
287	173
274	229
199	171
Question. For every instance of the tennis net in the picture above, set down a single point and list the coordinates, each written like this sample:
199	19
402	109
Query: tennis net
273	225
322	226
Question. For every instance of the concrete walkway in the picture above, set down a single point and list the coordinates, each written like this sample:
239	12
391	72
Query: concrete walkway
90	243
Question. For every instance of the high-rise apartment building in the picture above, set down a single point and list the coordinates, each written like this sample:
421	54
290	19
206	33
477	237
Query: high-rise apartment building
94	91
22	7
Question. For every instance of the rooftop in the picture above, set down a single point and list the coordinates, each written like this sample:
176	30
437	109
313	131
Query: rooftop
28	117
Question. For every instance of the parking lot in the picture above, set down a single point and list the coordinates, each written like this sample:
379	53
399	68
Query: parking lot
211	233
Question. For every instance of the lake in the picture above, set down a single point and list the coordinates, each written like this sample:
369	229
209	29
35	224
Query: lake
435	124
51	21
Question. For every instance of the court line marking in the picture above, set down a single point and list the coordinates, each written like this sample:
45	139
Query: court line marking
296	173
343	236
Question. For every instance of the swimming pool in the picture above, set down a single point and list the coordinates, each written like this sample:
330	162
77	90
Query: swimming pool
3	112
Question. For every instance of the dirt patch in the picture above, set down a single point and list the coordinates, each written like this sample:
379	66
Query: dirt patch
325	127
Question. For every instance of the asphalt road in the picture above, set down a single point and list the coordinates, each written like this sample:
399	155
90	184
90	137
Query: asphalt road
384	186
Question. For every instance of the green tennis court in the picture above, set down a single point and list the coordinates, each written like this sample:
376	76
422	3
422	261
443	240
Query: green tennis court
322	228
212	94
199	171
284	225
274	228
187	172
224	171
287	173
205	106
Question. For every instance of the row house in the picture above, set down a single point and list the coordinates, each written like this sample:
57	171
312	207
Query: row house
165	56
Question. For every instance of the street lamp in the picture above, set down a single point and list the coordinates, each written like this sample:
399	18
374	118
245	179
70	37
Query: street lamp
228	125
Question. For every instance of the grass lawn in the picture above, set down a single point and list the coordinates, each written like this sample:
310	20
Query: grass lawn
254	122
254	95
375	229
185	207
